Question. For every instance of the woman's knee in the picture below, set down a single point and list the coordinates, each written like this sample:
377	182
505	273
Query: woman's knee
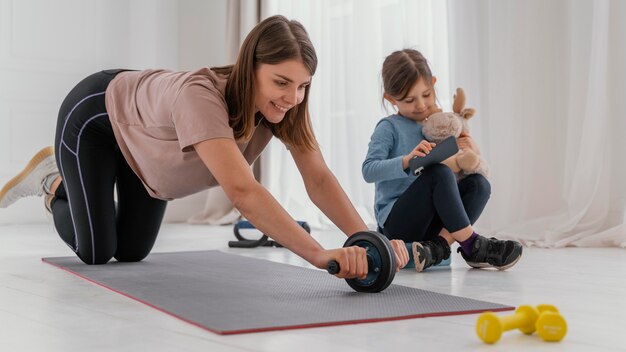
95	258
131	256
120	256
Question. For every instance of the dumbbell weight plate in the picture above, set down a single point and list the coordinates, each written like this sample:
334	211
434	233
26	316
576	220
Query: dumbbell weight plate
381	261
551	326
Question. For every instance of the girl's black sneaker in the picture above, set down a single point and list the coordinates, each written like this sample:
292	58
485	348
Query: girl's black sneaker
429	253
492	253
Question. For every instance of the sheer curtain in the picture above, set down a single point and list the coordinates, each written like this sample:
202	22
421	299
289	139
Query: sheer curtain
242	16
352	39
548	80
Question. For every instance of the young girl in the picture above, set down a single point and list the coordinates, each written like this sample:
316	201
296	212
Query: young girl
431	210
159	135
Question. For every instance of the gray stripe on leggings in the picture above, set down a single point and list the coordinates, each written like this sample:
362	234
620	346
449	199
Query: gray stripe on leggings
62	143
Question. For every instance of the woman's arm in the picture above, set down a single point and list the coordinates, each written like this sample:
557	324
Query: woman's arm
225	161
328	195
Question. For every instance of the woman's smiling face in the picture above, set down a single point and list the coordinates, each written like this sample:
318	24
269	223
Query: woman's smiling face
279	88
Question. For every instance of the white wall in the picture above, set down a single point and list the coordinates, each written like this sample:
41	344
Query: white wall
202	33
46	47
201	42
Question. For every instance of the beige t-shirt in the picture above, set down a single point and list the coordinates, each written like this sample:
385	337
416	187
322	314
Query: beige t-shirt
157	116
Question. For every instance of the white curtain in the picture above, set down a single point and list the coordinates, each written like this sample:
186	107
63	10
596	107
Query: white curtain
242	16
548	79
351	38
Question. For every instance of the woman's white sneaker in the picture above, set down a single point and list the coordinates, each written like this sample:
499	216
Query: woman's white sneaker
30	181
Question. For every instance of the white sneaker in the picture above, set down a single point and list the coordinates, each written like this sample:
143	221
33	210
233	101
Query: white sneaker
30	181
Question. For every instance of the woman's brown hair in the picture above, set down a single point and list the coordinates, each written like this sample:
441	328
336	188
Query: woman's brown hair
274	40
401	70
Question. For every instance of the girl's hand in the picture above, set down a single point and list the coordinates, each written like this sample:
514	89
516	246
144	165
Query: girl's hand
423	148
402	255
467	143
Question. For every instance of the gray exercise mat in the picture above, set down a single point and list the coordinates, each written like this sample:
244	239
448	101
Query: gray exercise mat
231	294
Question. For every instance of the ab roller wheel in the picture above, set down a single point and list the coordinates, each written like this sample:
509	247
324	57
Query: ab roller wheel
381	258
381	262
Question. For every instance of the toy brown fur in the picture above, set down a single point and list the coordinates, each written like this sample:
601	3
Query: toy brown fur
440	125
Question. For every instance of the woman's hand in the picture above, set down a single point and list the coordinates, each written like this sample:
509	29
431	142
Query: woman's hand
352	261
423	148
466	142
402	255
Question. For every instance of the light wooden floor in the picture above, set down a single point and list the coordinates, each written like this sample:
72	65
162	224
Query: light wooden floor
45	309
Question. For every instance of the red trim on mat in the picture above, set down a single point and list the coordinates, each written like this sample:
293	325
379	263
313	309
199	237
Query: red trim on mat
278	328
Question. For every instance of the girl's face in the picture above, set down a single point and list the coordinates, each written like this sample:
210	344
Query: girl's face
418	102
279	88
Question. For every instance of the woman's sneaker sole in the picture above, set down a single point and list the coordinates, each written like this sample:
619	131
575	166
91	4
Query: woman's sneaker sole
28	181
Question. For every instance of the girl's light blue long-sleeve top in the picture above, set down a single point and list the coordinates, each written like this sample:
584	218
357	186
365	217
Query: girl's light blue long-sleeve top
394	137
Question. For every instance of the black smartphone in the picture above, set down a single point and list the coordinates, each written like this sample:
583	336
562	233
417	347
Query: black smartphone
439	153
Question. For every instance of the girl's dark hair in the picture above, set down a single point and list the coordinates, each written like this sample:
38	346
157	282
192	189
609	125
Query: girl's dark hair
401	70
274	40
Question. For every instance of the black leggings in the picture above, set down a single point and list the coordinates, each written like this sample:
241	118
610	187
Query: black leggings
435	201
85	213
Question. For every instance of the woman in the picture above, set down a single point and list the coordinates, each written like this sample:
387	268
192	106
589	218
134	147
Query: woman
158	135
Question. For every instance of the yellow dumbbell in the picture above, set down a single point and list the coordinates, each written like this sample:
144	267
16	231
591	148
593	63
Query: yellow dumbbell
550	325
490	327
545	319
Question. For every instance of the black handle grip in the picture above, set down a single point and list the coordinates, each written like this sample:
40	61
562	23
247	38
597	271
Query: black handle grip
246	243
333	267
